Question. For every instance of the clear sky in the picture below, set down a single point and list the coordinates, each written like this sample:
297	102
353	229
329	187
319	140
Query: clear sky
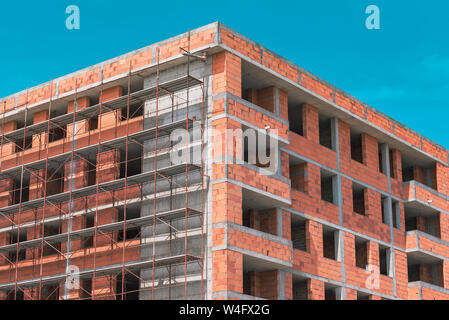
401	69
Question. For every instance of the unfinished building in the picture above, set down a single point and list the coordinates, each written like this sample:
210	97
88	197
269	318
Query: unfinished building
208	167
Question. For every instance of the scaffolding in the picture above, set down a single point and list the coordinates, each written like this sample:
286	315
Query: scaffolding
44	186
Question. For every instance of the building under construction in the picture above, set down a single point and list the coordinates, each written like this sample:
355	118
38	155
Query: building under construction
121	181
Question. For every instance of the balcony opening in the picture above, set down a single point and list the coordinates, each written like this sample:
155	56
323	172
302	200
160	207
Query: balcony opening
300	289
135	111
52	229
134	162
260	283
426	272
86	289
261	220
384	261
325	131
247	283
330	243
21	191
24	145
328	186
358	199
332	292
361	253
132	212
58	133
50	292
55	182
264	98
296	119
298	234
92	172
93	123
428	222
14	238
363	295
356	146
57	111
13	295
130	287
424	173
90	223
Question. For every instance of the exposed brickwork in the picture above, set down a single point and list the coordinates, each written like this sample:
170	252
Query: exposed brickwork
226	69
277	235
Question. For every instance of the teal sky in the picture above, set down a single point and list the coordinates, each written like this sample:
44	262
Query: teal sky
401	69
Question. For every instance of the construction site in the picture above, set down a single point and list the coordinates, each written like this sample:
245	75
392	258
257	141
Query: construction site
121	182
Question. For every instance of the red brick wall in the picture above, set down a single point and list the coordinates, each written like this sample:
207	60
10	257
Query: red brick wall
226	69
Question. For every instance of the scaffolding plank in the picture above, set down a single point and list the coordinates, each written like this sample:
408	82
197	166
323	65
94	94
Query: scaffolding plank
89	190
140	136
105	270
139	96
110	227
